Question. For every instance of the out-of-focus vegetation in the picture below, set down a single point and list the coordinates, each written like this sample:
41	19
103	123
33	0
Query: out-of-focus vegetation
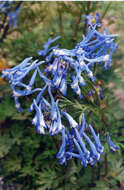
28	159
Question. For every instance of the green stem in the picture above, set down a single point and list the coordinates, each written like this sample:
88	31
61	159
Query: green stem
77	23
108	6
60	19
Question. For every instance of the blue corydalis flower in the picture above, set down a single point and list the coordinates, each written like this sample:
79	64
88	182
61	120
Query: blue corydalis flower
6	6
16	70
98	144
83	124
13	17
82	157
38	120
62	152
112	146
63	86
53	115
18	73
71	121
94	154
56	123
46	47
71	154
38	98
57	80
93	20
75	86
82	144
17	104
59	122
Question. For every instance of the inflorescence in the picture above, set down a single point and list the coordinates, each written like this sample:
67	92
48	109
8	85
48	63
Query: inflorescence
61	66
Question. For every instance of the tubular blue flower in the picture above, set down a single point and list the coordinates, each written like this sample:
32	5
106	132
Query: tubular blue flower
62	161
98	144
48	58
27	87
59	122
9	72
17	104
37	100
71	121
45	105
83	160
24	92
65	52
98	21
94	154
13	17
46	47
18	74
73	155
80	78
56	124
38	121
46	80
78	137
32	79
85	68
108	61
69	143
62	152
53	115
53	127
83	123
75	87
112	146
63	86
6	6
57	80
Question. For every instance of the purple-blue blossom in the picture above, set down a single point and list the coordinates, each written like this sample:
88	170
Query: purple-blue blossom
112	145
93	20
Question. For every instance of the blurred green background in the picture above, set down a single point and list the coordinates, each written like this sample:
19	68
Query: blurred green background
27	160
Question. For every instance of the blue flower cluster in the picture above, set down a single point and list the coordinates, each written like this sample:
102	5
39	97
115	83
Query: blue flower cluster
80	140
6	6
